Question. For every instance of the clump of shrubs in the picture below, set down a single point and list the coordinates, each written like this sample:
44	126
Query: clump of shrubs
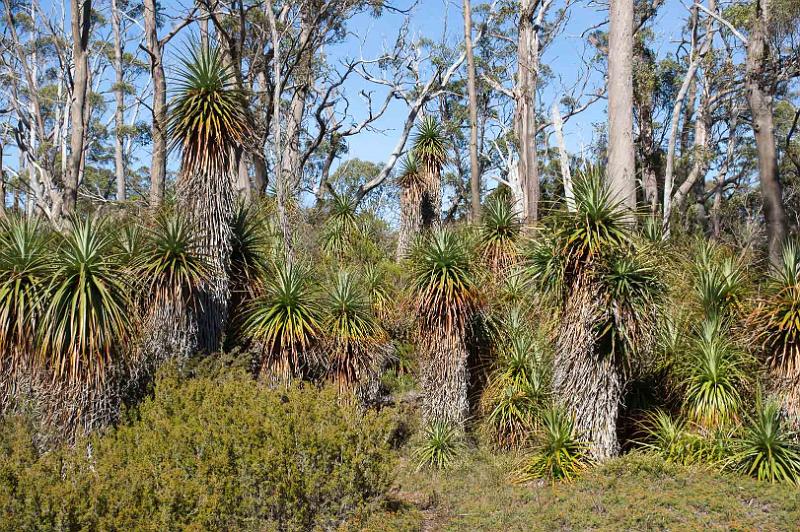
222	453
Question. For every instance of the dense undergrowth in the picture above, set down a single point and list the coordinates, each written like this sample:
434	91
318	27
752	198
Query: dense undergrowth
534	356
204	453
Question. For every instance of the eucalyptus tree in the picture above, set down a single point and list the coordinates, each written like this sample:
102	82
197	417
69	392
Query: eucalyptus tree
621	159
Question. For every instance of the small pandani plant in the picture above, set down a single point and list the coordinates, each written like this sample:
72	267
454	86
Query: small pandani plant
440	445
768	450
715	378
516	392
558	454
355	340
499	233
284	324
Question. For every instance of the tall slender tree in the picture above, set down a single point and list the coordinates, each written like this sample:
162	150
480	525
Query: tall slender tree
621	155
474	169
760	88
81	22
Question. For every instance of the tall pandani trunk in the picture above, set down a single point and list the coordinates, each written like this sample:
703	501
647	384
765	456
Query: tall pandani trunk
208	202
431	199
410	218
587	380
445	376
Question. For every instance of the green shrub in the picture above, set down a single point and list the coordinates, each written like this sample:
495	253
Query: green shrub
441	443
558	453
768	450
225	454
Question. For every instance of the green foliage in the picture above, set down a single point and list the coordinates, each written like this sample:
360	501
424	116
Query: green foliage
354	337
776	319
208	113
24	264
430	144
719	282
558	453
171	267
409	176
715	378
85	323
443	280
284	322
250	244
517	389
204	454
499	233
440	445
342	228
767	450
674	440
598	225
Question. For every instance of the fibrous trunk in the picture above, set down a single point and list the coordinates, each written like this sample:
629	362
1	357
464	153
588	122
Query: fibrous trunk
587	381
444	377
410	218
431	197
786	391
207	201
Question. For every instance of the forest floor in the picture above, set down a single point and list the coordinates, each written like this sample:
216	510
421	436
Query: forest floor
636	492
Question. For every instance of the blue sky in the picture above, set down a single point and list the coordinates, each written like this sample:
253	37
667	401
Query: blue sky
432	19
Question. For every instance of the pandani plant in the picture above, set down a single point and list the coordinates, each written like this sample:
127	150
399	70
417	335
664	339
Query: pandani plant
169	273
284	324
607	286
517	390
430	150
209	124
25	260
775	325
499	234
558	454
767	450
354	340
446	299
84	329
412	188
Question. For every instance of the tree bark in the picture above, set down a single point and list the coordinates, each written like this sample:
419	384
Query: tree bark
280	179
2	183
621	154
759	98
80	22
525	113
158	165
474	170
119	94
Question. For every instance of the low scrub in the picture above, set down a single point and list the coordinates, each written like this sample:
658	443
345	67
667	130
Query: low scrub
206	454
